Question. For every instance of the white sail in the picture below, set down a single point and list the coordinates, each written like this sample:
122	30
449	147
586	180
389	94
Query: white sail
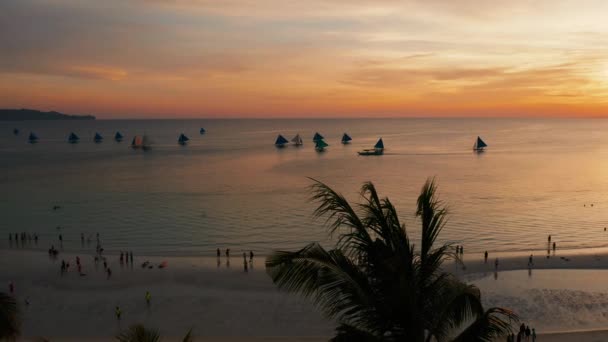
297	140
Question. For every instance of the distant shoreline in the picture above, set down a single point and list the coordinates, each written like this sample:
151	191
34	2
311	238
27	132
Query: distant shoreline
32	114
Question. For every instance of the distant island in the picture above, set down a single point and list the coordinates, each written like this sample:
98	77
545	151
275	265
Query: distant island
32	114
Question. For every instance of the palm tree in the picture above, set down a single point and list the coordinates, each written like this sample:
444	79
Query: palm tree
139	333
9	317
377	283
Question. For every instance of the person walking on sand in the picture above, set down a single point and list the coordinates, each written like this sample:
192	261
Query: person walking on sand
528	333
227	252
496	264
118	312
148	297
549	239
250	256
485	257
530	262
218	252
533	335
554	246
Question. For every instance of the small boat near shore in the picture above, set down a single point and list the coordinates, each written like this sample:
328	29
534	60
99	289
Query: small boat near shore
281	141
118	137
183	139
73	138
479	145
346	139
297	140
33	138
141	142
202	131
376	151
98	138
320	145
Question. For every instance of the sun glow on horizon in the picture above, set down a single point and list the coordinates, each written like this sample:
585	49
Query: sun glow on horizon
235	58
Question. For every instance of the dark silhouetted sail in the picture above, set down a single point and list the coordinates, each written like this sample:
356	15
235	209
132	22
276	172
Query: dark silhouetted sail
379	144
346	138
317	137
182	139
98	138
202	131
16	131
73	138
33	138
118	136
479	145
281	141
320	145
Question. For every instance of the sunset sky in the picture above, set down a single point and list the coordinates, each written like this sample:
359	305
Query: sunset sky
313	58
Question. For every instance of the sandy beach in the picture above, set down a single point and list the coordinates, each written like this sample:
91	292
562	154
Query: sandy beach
220	302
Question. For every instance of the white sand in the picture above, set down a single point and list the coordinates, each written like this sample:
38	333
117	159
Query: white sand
219	303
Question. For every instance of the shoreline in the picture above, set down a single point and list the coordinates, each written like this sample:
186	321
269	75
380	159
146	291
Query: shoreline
220	288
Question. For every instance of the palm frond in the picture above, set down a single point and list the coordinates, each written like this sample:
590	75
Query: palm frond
331	279
432	215
340	214
494	323
189	336
349	333
138	333
9	317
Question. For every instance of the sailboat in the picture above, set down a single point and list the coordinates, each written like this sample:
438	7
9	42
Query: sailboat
479	145
320	145
16	131
376	151
118	137
73	138
317	137
140	141
98	138
297	140
346	139
202	131
281	141
182	139
33	138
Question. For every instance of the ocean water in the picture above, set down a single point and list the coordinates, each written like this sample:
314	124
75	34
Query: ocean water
231	188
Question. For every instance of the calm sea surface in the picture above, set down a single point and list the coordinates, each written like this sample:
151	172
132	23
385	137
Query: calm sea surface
232	188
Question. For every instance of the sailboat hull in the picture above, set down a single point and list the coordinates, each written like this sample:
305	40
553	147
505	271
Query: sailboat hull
371	153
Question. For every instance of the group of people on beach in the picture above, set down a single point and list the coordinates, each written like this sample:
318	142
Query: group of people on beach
246	266
22	238
525	334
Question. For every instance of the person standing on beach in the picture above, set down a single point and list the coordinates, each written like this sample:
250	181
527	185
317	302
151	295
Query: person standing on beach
485	257
118	312
549	239
148	297
11	288
496	264
533	335
250	256
528	333
554	246
227	252
131	254
218	252
530	262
